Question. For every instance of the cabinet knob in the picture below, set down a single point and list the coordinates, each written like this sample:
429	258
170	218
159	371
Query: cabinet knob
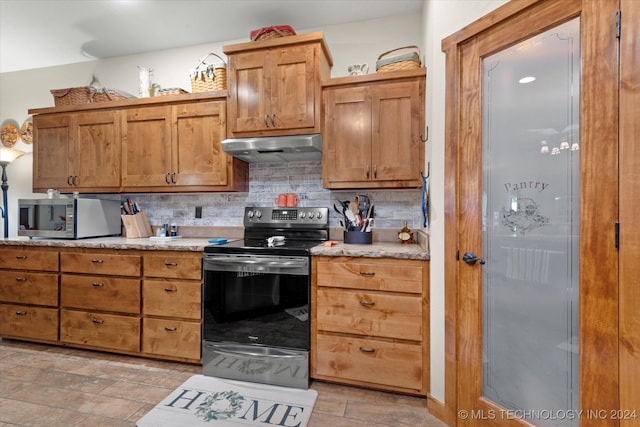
167	178
170	290
21	279
97	285
21	313
367	350
375	171
367	172
21	257
170	329
97	261
171	264
367	273
273	120
266	120
97	321
367	303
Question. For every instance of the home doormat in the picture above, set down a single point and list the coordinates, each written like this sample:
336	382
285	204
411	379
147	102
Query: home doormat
214	402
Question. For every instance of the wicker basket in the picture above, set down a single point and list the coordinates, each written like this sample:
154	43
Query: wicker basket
402	58
276	31
85	95
171	91
207	77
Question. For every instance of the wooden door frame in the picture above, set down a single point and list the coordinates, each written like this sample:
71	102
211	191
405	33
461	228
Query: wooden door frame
599	203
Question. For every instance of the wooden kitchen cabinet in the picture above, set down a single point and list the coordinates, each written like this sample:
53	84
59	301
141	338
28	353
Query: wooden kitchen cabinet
274	85
100	299
373	130
177	148
158	144
29	294
371	322
77	151
172	305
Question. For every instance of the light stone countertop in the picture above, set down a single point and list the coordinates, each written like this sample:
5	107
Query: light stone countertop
375	250
182	244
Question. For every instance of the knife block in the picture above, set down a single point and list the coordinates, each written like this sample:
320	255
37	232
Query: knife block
136	226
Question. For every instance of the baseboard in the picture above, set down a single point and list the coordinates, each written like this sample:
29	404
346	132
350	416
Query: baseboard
435	408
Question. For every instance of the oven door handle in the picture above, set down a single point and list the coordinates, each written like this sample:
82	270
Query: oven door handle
257	262
243	351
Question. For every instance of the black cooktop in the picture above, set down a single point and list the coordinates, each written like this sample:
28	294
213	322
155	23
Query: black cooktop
279	231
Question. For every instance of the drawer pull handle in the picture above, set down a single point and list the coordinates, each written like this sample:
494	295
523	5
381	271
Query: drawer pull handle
97	285
96	261
170	290
21	279
21	313
170	329
367	303
21	257
367	350
367	273
171	264
97	321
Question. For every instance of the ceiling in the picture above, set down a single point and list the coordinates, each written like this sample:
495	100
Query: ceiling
44	33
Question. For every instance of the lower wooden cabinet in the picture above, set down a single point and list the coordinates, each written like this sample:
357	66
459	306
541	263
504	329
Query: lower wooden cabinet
26	322
135	302
29	286
172	305
170	337
95	329
370	323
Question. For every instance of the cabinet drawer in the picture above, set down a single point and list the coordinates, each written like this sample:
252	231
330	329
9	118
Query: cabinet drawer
100	330
96	263
377	314
171	338
100	293
371	361
172	299
29	322
25	259
173	266
395	275
29	288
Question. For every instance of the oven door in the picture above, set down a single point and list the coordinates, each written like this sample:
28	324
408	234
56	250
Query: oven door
254	299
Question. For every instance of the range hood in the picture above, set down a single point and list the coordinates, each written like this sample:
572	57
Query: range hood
297	148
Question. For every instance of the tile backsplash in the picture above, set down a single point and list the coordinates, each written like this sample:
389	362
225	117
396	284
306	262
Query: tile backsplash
267	180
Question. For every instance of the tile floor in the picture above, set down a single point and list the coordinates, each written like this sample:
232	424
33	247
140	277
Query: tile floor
43	385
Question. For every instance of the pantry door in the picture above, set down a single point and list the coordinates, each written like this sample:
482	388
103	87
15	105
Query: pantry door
532	266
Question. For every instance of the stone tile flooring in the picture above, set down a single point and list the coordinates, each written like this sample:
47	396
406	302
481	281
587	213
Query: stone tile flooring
43	385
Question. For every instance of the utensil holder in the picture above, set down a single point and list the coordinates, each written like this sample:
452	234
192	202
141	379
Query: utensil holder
358	237
137	225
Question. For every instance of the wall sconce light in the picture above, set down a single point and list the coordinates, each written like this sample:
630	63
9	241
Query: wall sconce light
7	155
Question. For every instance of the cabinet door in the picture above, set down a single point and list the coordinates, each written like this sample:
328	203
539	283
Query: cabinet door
397	152
347	135
146	159
249	91
198	130
97	151
292	87
52	151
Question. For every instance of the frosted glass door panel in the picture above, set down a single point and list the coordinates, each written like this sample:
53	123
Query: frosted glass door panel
531	151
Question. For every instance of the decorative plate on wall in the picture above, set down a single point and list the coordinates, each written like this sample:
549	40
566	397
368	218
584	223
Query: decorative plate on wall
26	131
10	133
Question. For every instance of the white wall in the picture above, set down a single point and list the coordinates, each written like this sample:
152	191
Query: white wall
441	18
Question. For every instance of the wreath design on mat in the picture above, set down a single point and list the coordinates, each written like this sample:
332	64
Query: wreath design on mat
220	405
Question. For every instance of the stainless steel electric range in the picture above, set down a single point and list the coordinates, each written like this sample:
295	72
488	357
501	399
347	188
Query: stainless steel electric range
256	297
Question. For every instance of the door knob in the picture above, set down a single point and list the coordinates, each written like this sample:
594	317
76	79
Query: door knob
471	258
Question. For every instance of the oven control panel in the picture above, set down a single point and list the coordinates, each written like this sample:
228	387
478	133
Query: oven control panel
295	217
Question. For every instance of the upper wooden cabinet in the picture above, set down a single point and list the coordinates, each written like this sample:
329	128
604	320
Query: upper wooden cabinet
77	151
275	85
167	144
177	148
373	129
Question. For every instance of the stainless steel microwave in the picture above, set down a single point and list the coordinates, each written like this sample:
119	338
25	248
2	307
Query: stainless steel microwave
68	218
